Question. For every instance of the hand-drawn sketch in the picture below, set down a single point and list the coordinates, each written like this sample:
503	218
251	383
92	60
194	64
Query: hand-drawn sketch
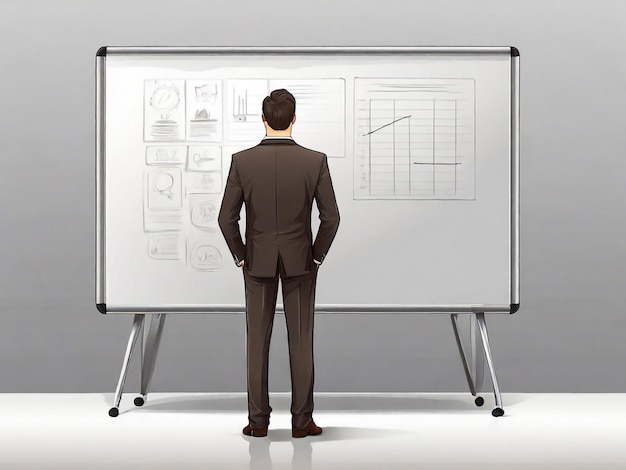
165	154
204	210
165	247
320	111
203	182
204	158
163	188
204	256
164	110
414	139
204	110
244	102
162	220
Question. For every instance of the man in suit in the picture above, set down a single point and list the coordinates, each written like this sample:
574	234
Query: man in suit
278	180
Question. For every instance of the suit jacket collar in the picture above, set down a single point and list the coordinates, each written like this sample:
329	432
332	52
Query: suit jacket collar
280	141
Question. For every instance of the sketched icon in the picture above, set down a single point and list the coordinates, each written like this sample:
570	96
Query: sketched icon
164	99
163	184
165	155
206	92
206	258
204	214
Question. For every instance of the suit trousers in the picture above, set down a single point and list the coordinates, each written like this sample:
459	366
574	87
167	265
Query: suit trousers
299	304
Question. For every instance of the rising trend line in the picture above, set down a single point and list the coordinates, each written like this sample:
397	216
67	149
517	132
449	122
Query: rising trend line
389	124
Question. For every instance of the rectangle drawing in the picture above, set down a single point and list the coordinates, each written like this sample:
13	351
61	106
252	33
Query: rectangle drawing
203	253
165	246
165	154
414	138
320	111
162	220
204	209
163	188
204	158
205	182
204	110
164	110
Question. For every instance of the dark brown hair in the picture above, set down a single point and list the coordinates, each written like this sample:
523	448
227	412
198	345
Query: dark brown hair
279	108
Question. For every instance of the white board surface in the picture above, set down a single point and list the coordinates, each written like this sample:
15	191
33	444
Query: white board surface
419	148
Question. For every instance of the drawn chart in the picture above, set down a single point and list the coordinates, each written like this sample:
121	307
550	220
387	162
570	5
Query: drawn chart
190	127
204	110
320	111
414	139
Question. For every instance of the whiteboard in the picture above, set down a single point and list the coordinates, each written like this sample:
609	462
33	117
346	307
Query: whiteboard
422	147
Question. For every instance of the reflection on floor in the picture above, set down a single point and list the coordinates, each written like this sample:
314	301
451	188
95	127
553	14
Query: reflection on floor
361	431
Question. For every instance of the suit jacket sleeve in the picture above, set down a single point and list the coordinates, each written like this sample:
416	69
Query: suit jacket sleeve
229	214
329	213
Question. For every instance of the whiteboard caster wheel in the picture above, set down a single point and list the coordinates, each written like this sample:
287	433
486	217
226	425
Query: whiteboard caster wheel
480	401
139	401
497	412
113	412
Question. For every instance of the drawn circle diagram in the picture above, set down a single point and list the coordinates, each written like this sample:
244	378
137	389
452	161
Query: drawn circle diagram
206	258
163	184
164	99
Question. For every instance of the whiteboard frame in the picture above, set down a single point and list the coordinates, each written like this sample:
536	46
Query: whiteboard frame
514	137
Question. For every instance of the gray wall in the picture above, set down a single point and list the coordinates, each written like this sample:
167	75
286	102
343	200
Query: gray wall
568	335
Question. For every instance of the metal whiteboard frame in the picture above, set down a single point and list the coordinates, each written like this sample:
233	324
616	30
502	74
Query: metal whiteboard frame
514	213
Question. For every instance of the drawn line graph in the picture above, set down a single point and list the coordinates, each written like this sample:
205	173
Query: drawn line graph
413	144
392	122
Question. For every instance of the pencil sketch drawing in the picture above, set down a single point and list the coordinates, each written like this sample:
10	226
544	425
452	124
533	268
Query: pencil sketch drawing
204	210
165	155
164	110
163	187
320	111
165	247
205	257
204	108
162	220
414	138
203	182
204	158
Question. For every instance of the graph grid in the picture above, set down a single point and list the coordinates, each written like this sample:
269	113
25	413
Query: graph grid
414	147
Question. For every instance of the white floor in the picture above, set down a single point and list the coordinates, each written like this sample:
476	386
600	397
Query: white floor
361	431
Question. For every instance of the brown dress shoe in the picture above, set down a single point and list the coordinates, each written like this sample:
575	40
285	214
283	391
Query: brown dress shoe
258	432
310	429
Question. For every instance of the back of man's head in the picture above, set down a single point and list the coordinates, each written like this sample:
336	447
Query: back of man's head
278	109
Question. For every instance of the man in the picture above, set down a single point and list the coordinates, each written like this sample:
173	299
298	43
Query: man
278	181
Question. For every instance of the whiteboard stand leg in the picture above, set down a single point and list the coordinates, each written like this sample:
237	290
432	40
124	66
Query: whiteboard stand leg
478	359
132	340
152	347
466	366
482	327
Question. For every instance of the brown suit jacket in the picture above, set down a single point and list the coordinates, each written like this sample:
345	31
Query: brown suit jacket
278	181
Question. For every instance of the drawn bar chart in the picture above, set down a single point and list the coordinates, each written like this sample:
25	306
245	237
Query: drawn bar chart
414	139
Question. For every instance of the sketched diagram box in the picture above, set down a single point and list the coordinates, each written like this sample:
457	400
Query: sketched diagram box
166	154
204	110
204	158
203	254
203	182
204	210
163	188
164	110
166	246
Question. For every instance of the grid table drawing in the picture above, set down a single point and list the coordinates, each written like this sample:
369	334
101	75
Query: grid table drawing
414	139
